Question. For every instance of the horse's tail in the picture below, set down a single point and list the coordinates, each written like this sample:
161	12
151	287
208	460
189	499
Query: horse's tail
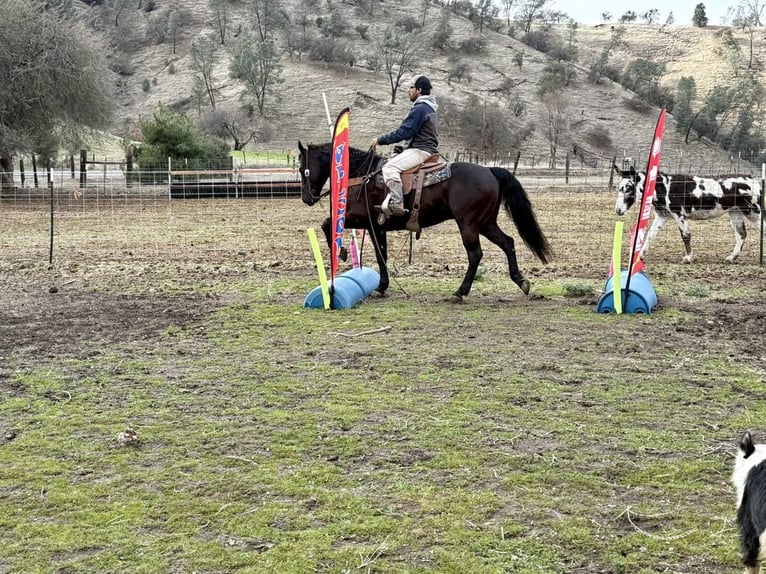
519	208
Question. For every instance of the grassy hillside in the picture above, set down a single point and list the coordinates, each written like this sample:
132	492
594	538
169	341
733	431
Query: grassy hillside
296	109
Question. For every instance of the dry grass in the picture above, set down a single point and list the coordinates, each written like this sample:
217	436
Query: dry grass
297	112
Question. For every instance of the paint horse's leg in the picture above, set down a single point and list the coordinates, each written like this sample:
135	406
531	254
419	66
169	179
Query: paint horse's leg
660	219
686	236
739	225
505	242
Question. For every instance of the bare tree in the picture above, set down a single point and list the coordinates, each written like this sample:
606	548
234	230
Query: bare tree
753	11
203	51
399	52
554	115
173	29
55	78
529	11
507	8
650	16
117	7
268	17
231	122
220	9
485	11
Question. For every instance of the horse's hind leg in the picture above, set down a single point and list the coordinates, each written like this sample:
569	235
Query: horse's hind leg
473	249
739	226
505	242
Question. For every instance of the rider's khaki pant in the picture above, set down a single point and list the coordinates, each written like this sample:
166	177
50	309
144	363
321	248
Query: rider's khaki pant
393	168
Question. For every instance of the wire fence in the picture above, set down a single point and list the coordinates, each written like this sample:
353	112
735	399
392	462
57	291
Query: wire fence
109	222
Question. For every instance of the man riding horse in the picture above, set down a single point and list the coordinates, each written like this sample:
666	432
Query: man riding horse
420	127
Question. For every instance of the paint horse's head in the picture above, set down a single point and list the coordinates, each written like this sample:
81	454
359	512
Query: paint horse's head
314	168
630	186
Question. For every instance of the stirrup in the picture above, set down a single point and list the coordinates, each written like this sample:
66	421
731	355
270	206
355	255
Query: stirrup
385	207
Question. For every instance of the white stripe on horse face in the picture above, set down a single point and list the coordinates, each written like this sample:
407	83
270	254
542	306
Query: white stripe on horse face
627	194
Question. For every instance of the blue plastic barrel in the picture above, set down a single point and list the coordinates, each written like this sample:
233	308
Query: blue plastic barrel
350	288
640	297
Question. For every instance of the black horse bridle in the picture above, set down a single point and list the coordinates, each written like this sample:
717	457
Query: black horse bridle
363	181
307	175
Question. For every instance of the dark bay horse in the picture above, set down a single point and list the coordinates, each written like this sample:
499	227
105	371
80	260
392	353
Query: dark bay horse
472	196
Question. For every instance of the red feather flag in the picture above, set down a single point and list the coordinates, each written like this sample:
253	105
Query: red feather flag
652	169
338	188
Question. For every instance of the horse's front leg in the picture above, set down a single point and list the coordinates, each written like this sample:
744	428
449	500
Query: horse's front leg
739	225
381	256
327	230
658	223
686	236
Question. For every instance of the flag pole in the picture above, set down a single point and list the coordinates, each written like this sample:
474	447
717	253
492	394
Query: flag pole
327	113
331	127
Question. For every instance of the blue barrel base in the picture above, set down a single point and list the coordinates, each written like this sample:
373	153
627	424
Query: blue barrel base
640	298
350	288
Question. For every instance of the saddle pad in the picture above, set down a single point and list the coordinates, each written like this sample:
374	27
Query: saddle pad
434	177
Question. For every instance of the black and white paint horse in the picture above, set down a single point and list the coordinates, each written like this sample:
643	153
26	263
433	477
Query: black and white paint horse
749	478
686	197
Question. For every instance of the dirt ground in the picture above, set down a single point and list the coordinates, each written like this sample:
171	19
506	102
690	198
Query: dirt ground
109	284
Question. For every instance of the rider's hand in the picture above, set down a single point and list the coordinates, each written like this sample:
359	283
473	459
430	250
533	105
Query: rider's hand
374	143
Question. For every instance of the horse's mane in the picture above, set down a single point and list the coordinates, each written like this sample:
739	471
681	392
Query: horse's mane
360	162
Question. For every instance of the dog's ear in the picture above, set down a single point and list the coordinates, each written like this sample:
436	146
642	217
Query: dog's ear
746	444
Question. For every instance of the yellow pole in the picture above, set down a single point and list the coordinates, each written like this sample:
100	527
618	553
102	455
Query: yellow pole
320	267
617	268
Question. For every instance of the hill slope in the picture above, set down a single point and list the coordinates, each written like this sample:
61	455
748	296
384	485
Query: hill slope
296	110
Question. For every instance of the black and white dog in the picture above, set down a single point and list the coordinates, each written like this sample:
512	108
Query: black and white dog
749	478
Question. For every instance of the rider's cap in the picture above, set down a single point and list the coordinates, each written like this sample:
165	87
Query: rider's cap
421	82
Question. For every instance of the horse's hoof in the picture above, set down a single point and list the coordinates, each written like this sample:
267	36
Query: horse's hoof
457	299
377	294
524	286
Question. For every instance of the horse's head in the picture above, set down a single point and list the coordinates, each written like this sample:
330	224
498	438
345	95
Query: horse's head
629	188
314	167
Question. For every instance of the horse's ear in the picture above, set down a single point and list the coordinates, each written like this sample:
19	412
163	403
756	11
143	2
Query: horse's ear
301	148
617	169
632	171
746	444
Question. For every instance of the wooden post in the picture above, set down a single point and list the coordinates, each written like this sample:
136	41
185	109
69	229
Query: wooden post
516	161
611	171
21	171
6	172
34	170
48	170
71	165
83	164
129	166
566	169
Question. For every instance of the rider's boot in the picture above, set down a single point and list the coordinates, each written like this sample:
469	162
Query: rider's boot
394	201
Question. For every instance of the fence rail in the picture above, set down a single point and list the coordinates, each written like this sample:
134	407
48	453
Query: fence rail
108	221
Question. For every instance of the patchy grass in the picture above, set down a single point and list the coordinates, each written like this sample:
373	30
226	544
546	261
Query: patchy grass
407	434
